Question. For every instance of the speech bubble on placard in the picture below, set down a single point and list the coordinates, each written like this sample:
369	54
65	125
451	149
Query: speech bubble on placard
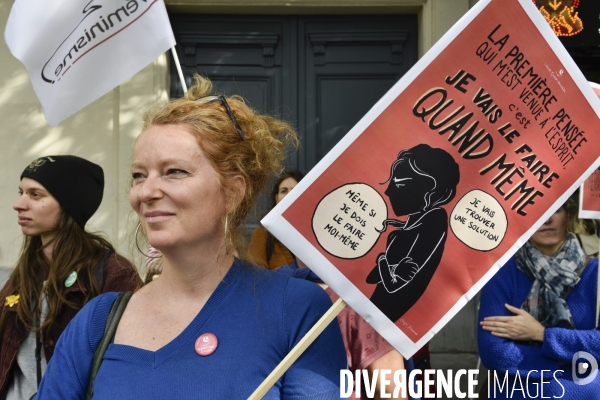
346	221
479	221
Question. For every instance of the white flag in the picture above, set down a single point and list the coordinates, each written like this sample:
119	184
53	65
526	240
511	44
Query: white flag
77	50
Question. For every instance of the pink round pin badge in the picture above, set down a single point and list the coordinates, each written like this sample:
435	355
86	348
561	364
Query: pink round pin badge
206	344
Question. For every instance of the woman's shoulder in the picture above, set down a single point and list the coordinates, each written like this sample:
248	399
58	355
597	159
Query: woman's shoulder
307	290
304	299
99	304
92	317
508	268
506	275
590	273
295	304
593	264
290	290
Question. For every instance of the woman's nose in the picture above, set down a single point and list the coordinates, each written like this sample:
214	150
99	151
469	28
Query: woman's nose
20	204
150	189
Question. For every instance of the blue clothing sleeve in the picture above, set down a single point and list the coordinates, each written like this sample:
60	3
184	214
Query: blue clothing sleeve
504	354
561	344
316	374
68	371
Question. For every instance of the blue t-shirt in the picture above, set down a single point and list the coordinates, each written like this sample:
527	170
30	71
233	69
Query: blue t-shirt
257	316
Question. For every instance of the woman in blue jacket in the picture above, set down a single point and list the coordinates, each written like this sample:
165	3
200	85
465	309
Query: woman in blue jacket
537	316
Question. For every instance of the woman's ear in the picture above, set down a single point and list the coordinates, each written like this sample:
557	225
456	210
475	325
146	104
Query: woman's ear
238	185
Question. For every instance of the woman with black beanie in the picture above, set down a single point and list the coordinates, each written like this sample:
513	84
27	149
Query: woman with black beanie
61	267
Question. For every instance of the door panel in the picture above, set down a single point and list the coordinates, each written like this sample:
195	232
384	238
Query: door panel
348	64
249	56
342	102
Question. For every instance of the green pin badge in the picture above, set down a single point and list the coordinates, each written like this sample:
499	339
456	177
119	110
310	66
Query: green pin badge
71	279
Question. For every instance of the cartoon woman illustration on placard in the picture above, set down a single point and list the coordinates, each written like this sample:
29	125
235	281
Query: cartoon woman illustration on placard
421	180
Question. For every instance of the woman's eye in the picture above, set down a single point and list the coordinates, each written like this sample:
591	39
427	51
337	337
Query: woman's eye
137	176
175	171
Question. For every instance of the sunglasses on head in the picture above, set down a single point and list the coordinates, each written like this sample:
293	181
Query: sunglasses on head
212	99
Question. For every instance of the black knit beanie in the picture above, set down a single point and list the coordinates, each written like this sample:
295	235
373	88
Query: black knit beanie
76	183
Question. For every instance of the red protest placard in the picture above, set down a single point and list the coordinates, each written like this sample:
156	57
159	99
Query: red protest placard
448	175
589	197
589	194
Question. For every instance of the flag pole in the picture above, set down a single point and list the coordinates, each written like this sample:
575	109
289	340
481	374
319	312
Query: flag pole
297	351
178	65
